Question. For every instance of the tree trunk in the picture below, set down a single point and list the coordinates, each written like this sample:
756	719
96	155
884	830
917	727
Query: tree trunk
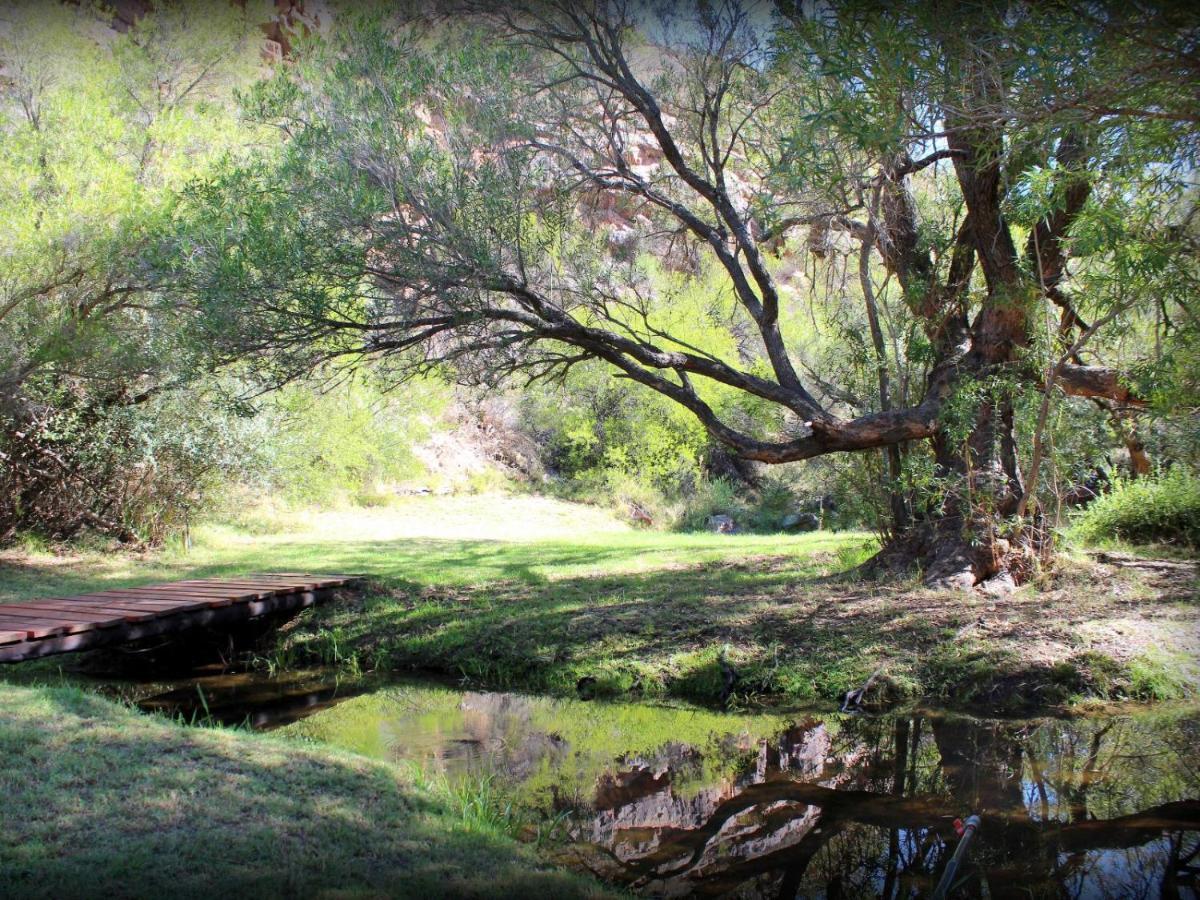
969	539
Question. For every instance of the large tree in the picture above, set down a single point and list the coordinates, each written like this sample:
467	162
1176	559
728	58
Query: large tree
485	192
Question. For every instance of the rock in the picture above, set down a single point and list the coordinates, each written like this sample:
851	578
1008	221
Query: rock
826	503
803	521
639	514
999	585
721	524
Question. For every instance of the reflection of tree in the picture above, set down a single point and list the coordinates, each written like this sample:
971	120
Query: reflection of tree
870	810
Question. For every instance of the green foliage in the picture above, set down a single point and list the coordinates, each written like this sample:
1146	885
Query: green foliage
1159	509
138	472
601	438
348	441
718	497
100	130
406	217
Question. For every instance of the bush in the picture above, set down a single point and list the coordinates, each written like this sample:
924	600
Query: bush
1161	509
761	510
73	463
718	497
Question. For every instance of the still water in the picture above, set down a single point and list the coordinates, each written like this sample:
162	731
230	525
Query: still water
671	801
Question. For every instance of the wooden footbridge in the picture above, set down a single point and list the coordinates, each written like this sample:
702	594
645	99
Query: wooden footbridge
64	624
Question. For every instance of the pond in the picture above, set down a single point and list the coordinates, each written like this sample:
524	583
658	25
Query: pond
674	801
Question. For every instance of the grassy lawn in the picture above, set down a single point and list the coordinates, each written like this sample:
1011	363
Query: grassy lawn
423	541
544	595
99	799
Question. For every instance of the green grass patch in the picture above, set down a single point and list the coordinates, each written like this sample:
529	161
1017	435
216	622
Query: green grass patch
1163	509
554	599
99	799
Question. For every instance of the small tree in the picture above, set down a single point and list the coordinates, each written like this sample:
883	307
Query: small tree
97	132
484	194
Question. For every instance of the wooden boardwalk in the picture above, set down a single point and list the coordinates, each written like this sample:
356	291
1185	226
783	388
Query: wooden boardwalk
64	624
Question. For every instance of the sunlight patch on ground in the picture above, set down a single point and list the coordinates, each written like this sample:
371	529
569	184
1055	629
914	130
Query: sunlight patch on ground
484	517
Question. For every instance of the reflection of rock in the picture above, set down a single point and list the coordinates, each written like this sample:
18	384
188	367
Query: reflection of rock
795	753
855	806
499	725
650	826
614	790
856	813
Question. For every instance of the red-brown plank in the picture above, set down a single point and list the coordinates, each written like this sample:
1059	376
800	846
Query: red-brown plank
48	611
33	620
236	592
34	628
189	589
132	602
74	621
323	577
15	611
280	584
149	607
160	598
248	585
89	611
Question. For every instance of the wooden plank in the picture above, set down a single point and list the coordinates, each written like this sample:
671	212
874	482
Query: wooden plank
331	579
200	618
132	602
53	617
37	628
48	616
86	611
306	581
250	585
159	598
33	628
248	593
132	606
234	592
249	579
51	612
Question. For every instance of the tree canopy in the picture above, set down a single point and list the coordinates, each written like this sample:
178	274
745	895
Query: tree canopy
495	192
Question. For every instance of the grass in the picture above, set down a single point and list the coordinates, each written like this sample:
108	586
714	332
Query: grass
543	595
1162	509
101	799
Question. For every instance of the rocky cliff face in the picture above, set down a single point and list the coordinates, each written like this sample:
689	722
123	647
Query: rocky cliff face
292	20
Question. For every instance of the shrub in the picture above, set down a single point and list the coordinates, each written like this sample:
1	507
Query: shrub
718	497
75	462
1160	509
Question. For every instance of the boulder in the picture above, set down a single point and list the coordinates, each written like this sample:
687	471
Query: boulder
721	524
800	521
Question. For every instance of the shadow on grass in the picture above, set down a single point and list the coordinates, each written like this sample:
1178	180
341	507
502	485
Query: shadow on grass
415	561
102	801
697	616
772	624
764	629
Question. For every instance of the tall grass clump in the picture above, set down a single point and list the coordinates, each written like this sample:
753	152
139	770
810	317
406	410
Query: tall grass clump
1159	509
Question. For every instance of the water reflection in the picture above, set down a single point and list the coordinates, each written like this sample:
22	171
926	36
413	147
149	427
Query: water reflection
242	699
678	802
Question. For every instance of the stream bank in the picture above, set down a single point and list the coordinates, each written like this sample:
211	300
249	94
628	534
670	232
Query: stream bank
387	786
772	631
